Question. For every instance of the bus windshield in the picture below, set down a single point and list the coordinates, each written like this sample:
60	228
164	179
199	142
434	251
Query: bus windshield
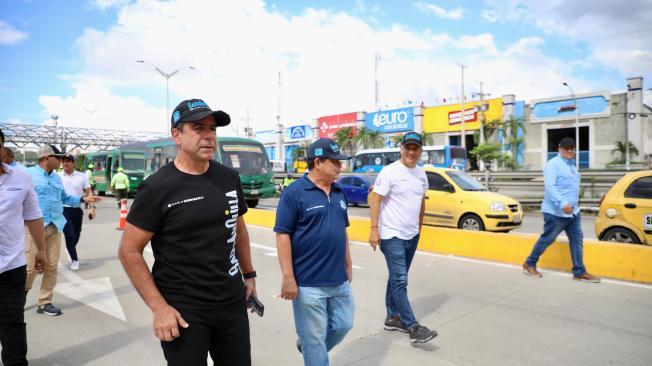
465	181
244	157
133	161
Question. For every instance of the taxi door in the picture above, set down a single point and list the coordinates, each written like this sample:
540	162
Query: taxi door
440	201
637	204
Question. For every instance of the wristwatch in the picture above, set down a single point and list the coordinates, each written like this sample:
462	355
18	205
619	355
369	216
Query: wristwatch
249	275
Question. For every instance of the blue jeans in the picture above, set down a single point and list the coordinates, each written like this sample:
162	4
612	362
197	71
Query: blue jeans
322	317
552	226
398	255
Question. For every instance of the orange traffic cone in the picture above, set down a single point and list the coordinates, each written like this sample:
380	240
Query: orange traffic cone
123	215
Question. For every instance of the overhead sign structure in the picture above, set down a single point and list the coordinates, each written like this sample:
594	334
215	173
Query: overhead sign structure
395	120
448	118
329	125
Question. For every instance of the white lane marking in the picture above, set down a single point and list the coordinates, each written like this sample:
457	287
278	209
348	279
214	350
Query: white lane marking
272	251
97	293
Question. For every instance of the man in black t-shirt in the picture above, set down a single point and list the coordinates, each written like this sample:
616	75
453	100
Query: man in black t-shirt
191	210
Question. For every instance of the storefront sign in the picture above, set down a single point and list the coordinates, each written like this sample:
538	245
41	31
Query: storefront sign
448	118
329	125
298	133
396	120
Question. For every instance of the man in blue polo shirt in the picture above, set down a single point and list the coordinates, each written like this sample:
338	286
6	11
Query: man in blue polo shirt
313	251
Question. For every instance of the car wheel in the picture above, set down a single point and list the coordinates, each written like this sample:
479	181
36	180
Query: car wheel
471	222
621	235
252	203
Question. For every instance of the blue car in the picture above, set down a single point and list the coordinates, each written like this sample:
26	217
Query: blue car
356	188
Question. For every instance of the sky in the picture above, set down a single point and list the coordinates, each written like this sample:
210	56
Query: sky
77	59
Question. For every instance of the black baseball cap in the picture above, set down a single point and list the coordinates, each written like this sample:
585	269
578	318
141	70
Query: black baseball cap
412	138
326	148
567	142
193	110
70	157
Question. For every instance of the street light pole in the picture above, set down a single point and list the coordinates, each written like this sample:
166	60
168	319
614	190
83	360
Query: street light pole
167	77
577	127
463	137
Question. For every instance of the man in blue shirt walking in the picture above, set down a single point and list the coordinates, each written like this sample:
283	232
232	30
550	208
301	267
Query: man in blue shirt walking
313	251
561	212
51	198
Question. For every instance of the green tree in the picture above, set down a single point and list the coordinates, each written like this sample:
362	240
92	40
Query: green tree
621	148
396	140
510	129
345	138
487	153
300	152
426	137
368	139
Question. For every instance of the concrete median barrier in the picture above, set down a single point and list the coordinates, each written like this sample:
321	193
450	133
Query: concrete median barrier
620	261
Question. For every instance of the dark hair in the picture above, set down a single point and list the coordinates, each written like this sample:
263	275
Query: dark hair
2	136
311	163
180	125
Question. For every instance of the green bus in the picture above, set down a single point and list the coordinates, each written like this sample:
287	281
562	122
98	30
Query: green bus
130	157
248	157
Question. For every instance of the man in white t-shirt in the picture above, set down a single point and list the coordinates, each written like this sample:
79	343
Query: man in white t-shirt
76	184
397	206
18	208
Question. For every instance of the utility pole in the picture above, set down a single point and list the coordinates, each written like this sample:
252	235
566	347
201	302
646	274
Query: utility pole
376	82
482	94
246	120
278	121
463	136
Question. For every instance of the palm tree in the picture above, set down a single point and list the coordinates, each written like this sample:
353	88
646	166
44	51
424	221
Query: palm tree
345	138
375	140
510	134
397	140
426	137
622	149
368	139
362	138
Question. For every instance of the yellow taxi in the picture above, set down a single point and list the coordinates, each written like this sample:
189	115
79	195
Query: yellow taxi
626	210
456	199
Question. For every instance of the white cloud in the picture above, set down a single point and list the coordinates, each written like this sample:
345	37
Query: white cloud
456	13
10	35
97	107
326	59
619	36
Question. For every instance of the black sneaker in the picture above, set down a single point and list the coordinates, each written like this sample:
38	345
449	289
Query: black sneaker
394	323
49	309
421	334
299	345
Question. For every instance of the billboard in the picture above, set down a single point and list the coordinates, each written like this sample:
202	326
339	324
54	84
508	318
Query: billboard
298	133
448	118
329	125
395	120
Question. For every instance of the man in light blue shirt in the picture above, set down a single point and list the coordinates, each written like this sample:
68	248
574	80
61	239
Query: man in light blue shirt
561	212
51	198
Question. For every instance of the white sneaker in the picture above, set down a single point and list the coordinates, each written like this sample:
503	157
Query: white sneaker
74	265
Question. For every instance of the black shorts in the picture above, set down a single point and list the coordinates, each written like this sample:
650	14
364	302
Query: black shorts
222	331
120	194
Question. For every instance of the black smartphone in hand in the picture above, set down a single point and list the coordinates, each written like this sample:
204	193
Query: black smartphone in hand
256	306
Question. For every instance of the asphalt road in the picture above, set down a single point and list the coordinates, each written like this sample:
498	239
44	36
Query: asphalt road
485	313
532	222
